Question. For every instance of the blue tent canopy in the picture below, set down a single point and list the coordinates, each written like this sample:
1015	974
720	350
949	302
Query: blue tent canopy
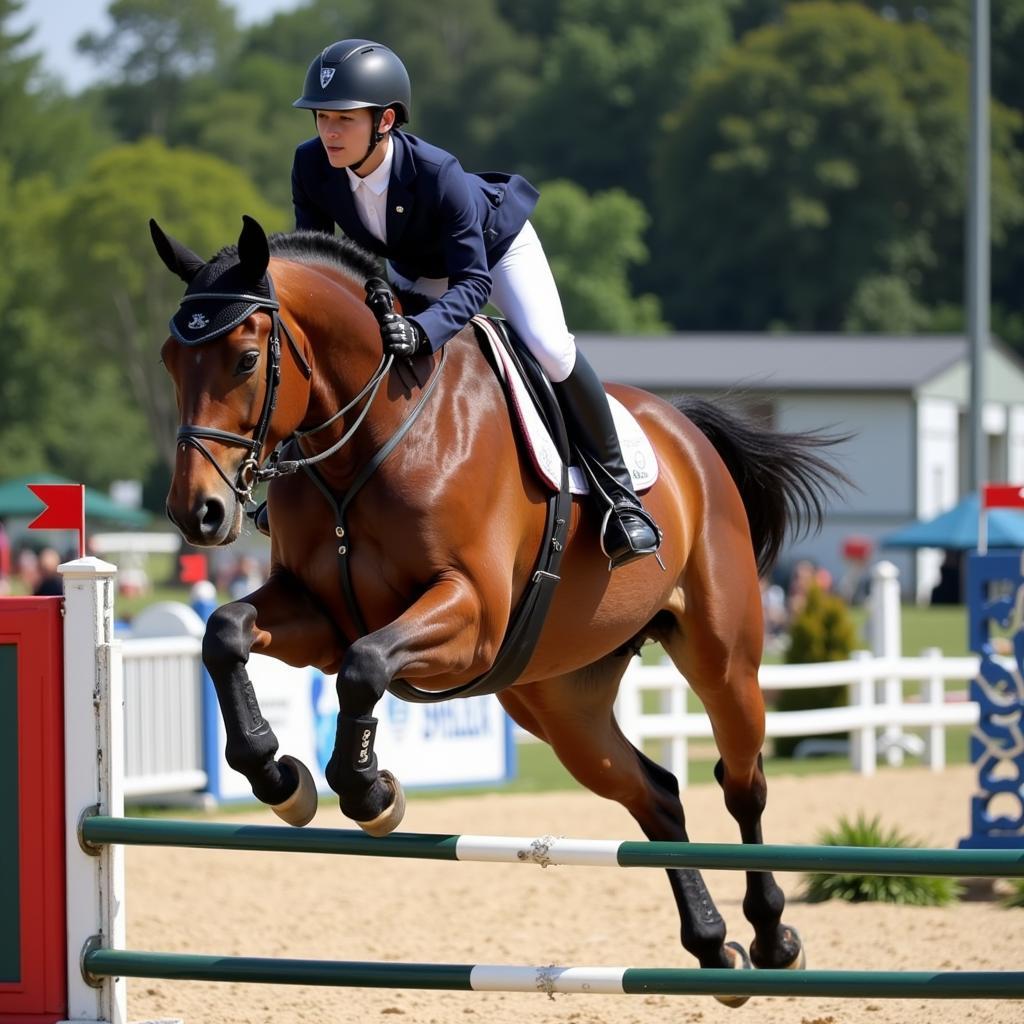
957	529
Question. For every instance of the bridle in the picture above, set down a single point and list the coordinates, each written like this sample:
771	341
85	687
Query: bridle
251	473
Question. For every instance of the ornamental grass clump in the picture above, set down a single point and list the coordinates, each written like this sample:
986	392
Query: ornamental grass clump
1015	897
912	891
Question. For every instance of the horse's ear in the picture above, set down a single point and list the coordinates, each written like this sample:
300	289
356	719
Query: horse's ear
178	258
253	249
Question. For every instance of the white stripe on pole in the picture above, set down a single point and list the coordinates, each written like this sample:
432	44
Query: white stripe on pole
506	978
544	850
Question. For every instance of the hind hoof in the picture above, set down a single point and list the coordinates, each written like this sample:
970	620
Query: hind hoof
391	817
300	807
796	963
741	962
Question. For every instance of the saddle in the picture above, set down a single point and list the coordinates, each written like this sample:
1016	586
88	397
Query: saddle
535	411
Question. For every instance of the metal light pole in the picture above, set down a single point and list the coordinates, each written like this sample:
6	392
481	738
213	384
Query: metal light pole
977	284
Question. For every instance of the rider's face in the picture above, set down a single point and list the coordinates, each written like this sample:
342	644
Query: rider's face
345	134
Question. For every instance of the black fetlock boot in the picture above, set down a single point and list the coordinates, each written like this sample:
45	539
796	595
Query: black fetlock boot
628	531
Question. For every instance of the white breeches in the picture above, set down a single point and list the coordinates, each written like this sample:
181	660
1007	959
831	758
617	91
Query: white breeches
524	289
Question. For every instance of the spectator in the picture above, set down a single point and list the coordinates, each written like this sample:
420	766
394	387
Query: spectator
773	605
800	583
50	583
28	570
947	590
247	577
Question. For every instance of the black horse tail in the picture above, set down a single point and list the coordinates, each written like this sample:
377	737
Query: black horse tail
784	482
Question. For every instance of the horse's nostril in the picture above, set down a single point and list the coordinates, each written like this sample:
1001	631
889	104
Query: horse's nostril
211	516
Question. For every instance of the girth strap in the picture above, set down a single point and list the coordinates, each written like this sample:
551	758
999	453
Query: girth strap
529	617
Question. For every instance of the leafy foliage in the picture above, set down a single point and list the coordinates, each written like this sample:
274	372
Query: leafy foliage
591	241
153	47
912	890
822	631
117	294
608	75
1015	898
845	135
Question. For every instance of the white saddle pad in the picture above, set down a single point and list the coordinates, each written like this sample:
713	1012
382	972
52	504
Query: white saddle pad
637	451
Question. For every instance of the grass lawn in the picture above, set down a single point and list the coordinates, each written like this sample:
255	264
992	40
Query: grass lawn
944	626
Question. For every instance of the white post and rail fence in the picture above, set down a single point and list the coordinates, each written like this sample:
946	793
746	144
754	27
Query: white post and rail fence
167	749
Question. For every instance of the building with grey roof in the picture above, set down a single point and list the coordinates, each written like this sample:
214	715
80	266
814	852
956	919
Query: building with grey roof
904	400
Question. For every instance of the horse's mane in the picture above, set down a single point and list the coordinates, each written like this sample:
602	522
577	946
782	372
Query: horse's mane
337	252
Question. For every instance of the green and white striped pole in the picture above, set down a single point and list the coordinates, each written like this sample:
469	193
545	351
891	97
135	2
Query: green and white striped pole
549	851
551	980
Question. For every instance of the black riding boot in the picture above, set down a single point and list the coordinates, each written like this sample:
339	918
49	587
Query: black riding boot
628	531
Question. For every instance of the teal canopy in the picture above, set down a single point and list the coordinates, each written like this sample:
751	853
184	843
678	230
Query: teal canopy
957	529
16	500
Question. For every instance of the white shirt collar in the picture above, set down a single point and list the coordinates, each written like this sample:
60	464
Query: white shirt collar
377	180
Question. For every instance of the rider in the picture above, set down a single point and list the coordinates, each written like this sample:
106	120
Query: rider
459	238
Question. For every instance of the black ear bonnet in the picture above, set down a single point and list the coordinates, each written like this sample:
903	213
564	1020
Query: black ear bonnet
217	300
223	292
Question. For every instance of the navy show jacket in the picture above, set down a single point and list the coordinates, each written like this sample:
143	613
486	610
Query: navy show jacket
442	221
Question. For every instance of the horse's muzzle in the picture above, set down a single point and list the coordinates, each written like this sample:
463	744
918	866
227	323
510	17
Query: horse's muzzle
208	522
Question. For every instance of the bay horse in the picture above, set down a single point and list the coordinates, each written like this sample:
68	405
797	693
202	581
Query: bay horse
442	538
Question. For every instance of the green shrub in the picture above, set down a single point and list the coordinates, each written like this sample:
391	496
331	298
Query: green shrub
823	631
1016	895
913	891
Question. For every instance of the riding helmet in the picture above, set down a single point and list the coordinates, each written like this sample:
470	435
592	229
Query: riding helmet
354	73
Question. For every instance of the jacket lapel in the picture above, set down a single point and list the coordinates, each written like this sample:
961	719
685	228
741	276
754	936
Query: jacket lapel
400	196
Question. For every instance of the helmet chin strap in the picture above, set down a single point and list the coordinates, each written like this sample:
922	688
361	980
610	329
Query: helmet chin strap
375	136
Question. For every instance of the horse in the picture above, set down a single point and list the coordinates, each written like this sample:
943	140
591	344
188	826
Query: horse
440	539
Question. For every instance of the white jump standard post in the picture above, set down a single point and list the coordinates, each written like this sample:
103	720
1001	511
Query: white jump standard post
93	774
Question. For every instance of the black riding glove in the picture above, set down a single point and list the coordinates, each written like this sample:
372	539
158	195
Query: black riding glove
401	337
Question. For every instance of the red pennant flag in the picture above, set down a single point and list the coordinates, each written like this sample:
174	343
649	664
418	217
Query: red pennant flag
1002	496
65	509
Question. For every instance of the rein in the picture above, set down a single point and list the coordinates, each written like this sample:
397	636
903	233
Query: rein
250	473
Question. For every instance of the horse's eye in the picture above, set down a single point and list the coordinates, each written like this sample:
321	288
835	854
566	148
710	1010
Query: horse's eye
248	362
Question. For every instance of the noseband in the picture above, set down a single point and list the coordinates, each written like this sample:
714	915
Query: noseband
251	473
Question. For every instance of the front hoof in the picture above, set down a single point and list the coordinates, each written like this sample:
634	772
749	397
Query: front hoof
300	807
391	817
740	962
794	960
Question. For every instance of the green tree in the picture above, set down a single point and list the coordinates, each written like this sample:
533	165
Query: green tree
608	76
59	409
470	70
248	121
153	48
591	242
821	152
42	129
120	294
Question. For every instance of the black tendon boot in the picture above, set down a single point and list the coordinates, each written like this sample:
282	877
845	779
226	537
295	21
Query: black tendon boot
628	531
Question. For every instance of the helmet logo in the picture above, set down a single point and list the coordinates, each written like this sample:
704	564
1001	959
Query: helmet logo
198	322
326	74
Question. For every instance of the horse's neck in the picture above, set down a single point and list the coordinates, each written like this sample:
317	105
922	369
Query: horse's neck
346	354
